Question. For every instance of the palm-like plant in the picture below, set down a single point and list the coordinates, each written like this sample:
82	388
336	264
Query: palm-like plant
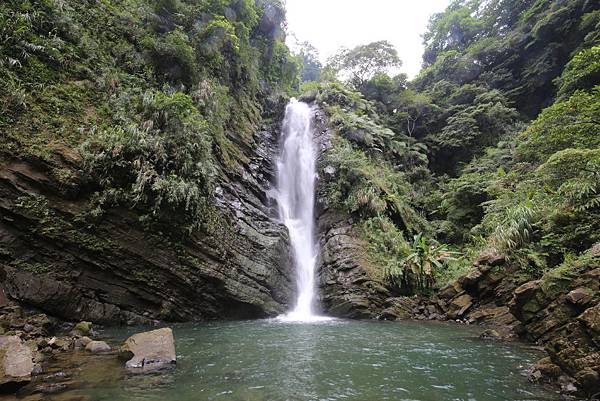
517	227
417	269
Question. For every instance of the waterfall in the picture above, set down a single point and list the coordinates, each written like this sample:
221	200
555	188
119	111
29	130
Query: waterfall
296	196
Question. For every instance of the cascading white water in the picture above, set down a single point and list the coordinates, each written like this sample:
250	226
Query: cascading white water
296	195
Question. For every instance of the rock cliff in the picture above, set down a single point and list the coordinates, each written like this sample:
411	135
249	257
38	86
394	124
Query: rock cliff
560	312
345	287
114	271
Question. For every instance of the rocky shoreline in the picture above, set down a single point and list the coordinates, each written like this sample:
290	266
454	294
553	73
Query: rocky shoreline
559	314
48	348
39	354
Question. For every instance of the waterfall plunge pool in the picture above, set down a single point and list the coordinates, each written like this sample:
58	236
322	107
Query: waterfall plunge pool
302	356
272	360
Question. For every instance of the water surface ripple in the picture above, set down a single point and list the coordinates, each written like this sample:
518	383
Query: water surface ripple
331	360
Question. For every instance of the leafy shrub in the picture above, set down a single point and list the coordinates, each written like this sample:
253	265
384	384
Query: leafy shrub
159	162
336	94
218	43
462	204
417	271
472	128
386	245
368	187
173	57
582	72
572	123
516	228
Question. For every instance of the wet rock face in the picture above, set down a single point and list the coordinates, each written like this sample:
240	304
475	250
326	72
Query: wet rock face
345	289
344	286
563	314
117	272
149	351
400	308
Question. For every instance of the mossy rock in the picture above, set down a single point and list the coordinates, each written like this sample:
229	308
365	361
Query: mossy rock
82	328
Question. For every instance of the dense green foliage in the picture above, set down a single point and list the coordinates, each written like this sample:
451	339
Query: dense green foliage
493	147
417	270
310	66
571	123
144	104
163	163
157	95
518	47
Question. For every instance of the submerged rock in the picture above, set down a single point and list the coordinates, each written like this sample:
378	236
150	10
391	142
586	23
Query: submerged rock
97	346
16	363
60	343
544	371
490	334
82	342
149	350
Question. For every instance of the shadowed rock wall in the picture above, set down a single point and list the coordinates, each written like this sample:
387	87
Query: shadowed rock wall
114	271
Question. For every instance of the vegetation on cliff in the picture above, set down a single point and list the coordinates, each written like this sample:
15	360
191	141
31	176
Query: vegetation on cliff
481	177
144	104
156	96
494	146
152	107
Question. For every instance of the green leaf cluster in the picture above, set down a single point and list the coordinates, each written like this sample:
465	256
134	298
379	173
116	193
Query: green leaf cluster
150	100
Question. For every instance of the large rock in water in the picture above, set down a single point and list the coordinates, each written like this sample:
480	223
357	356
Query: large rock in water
16	363
97	346
150	350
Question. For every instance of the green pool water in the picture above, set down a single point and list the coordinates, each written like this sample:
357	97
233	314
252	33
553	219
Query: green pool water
335	360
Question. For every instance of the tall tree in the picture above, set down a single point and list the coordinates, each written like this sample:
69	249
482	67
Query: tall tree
365	61
309	60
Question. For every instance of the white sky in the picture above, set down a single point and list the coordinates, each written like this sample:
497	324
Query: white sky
331	24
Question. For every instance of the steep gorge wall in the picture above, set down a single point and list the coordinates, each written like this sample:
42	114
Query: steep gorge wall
137	142
117	272
345	288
